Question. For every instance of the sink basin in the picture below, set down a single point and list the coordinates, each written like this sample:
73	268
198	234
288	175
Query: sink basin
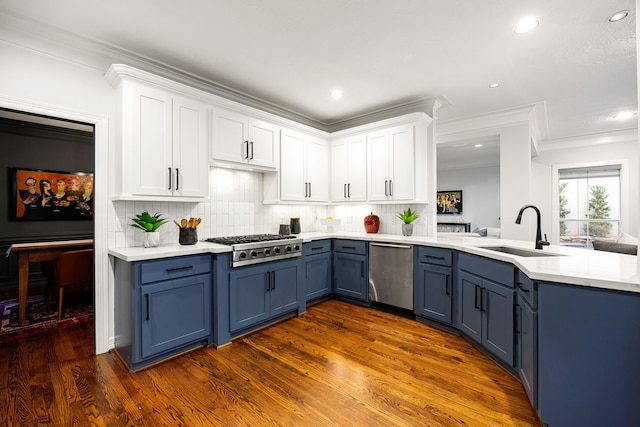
518	251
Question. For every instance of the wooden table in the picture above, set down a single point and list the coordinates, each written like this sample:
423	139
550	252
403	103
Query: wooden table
34	252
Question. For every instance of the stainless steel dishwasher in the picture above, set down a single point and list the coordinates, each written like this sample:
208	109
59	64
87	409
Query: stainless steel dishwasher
391	274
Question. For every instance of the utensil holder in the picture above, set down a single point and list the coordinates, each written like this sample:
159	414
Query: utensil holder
188	236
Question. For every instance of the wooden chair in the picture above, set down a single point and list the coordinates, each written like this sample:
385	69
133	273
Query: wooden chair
72	268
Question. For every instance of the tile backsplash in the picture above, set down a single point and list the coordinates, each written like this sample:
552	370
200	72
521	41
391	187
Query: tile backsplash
236	208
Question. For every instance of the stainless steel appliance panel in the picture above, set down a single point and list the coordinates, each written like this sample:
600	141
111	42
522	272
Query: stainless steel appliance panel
391	274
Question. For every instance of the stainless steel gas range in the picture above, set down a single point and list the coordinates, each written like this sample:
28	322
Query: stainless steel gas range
257	248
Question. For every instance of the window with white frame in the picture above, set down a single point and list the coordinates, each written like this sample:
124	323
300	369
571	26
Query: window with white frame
589	205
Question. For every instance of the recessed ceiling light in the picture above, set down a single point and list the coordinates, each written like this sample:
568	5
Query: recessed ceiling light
478	145
526	25
494	85
618	16
336	94
623	115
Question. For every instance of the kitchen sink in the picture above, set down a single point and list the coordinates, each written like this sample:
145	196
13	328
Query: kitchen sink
518	251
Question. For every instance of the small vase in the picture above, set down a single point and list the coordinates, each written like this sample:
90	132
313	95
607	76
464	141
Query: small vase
151	239
407	229
371	223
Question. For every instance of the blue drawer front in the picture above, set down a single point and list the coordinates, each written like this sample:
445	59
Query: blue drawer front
173	268
527	288
316	247
437	256
350	246
499	272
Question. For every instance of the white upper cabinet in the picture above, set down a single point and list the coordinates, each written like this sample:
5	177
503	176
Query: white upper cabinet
244	141
162	148
304	167
391	169
349	169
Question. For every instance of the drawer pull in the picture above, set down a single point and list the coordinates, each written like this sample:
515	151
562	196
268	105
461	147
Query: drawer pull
173	270
522	288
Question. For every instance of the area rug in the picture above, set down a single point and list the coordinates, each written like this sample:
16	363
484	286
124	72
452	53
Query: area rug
39	319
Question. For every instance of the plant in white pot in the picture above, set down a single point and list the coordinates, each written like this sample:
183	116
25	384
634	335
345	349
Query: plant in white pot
149	224
407	218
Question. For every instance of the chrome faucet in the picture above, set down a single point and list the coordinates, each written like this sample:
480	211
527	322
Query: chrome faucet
539	241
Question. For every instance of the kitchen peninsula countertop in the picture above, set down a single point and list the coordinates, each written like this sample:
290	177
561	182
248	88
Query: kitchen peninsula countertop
575	266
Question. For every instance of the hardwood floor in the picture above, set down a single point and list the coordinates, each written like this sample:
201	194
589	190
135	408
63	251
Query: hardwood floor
337	365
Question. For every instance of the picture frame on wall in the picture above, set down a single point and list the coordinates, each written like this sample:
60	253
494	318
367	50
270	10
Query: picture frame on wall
449	202
41	195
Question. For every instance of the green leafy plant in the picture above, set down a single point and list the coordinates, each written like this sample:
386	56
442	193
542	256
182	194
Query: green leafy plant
407	216
148	223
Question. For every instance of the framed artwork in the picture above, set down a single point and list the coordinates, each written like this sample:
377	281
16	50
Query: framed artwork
39	195
449	202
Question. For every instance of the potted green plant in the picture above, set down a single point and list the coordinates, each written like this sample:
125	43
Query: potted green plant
407	217
149	224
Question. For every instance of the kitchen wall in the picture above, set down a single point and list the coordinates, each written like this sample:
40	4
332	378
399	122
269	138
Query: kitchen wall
236	208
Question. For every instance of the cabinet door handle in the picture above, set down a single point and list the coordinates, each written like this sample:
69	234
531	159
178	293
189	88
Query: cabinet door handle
177	179
146	296
273	280
251	157
344	191
447	284
522	288
170	178
475	303
516	314
390	188
268	281
309	189
362	269
483	299
386	191
245	150
349	190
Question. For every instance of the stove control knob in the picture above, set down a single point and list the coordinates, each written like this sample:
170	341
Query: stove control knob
267	252
243	255
254	254
288	248
296	248
276	249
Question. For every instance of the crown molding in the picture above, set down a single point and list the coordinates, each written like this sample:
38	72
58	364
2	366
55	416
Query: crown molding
627	135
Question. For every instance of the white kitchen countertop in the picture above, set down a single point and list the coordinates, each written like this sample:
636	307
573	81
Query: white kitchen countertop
577	266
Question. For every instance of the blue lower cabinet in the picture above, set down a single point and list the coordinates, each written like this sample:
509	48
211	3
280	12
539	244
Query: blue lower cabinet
527	349
588	356
175	313
350	276
486	315
433	292
162	308
317	269
261	292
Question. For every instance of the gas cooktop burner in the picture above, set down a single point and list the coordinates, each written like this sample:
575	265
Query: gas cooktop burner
256	248
250	238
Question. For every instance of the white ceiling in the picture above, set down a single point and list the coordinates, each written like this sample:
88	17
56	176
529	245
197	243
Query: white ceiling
381	53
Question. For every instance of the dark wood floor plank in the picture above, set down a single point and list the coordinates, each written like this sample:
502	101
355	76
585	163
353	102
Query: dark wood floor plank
336	365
